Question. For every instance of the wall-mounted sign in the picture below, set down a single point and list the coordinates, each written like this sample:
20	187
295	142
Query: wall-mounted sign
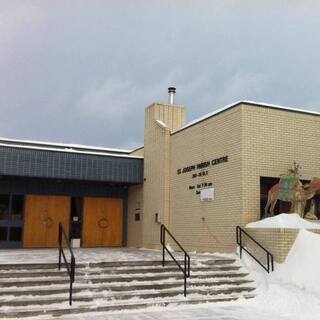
207	194
137	213
202	165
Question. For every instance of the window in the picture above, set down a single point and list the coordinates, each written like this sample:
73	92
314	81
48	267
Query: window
15	234
11	219
17	207
266	183
4	206
3	233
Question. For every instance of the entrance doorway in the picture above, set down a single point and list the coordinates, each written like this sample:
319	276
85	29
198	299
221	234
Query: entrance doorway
102	222
42	217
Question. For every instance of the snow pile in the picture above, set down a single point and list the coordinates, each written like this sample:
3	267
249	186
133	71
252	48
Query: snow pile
285	220
301	267
292	291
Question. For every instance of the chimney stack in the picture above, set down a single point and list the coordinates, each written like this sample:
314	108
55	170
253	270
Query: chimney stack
172	95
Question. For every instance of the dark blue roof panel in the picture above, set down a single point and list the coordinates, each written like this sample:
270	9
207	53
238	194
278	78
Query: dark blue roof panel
28	162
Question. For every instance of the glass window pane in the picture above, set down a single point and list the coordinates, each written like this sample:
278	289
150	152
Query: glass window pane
17	207
3	233
15	234
4	206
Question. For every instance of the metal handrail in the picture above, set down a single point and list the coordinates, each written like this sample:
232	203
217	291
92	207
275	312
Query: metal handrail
70	267
270	263
186	269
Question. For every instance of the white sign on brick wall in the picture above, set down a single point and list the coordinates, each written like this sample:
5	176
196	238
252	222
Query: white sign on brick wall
207	194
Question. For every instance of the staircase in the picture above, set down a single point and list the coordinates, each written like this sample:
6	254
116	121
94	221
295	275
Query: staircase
41	290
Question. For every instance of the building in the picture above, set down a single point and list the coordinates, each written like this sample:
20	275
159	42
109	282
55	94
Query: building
200	179
85	188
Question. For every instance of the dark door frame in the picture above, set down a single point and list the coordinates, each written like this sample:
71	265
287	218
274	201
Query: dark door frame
11	223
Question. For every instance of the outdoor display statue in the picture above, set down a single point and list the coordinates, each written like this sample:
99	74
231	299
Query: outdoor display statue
291	189
311	214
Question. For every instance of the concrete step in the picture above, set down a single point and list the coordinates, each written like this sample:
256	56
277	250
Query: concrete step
115	278
42	290
210	262
29	301
125	305
119	288
45	266
34	273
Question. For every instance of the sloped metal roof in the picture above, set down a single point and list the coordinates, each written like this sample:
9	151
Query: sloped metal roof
46	162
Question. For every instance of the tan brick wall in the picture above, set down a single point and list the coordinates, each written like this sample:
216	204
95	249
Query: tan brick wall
277	241
207	226
157	167
135	205
258	141
271	140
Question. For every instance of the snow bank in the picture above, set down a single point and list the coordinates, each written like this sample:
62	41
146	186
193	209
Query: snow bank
301	267
292	291
284	220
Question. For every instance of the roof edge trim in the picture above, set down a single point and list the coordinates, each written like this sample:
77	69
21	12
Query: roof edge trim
247	102
63	145
71	151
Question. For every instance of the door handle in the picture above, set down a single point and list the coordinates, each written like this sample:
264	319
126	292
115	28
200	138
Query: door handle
48	222
103	223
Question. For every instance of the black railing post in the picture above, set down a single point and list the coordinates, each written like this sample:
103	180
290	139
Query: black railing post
240	241
185	268
185	275
71	279
270	260
163	245
60	244
73	265
70	294
237	234
70	267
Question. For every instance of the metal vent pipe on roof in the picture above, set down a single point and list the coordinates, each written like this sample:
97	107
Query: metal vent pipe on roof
172	95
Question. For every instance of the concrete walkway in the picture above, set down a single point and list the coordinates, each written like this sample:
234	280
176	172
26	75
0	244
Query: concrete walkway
231	311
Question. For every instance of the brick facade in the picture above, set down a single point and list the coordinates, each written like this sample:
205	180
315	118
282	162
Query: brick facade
258	141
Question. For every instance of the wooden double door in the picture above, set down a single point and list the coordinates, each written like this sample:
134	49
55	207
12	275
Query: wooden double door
41	220
102	222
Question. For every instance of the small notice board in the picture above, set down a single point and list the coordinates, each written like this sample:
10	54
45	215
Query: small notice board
207	194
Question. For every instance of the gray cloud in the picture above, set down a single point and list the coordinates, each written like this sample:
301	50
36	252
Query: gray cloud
83	71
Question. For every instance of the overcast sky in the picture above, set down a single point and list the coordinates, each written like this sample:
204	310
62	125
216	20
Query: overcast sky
83	71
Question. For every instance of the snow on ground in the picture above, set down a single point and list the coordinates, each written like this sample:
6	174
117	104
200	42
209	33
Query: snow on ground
302	264
85	255
293	289
291	292
285	220
82	255
217	311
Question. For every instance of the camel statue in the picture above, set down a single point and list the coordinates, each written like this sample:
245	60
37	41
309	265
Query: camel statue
290	189
301	197
284	191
